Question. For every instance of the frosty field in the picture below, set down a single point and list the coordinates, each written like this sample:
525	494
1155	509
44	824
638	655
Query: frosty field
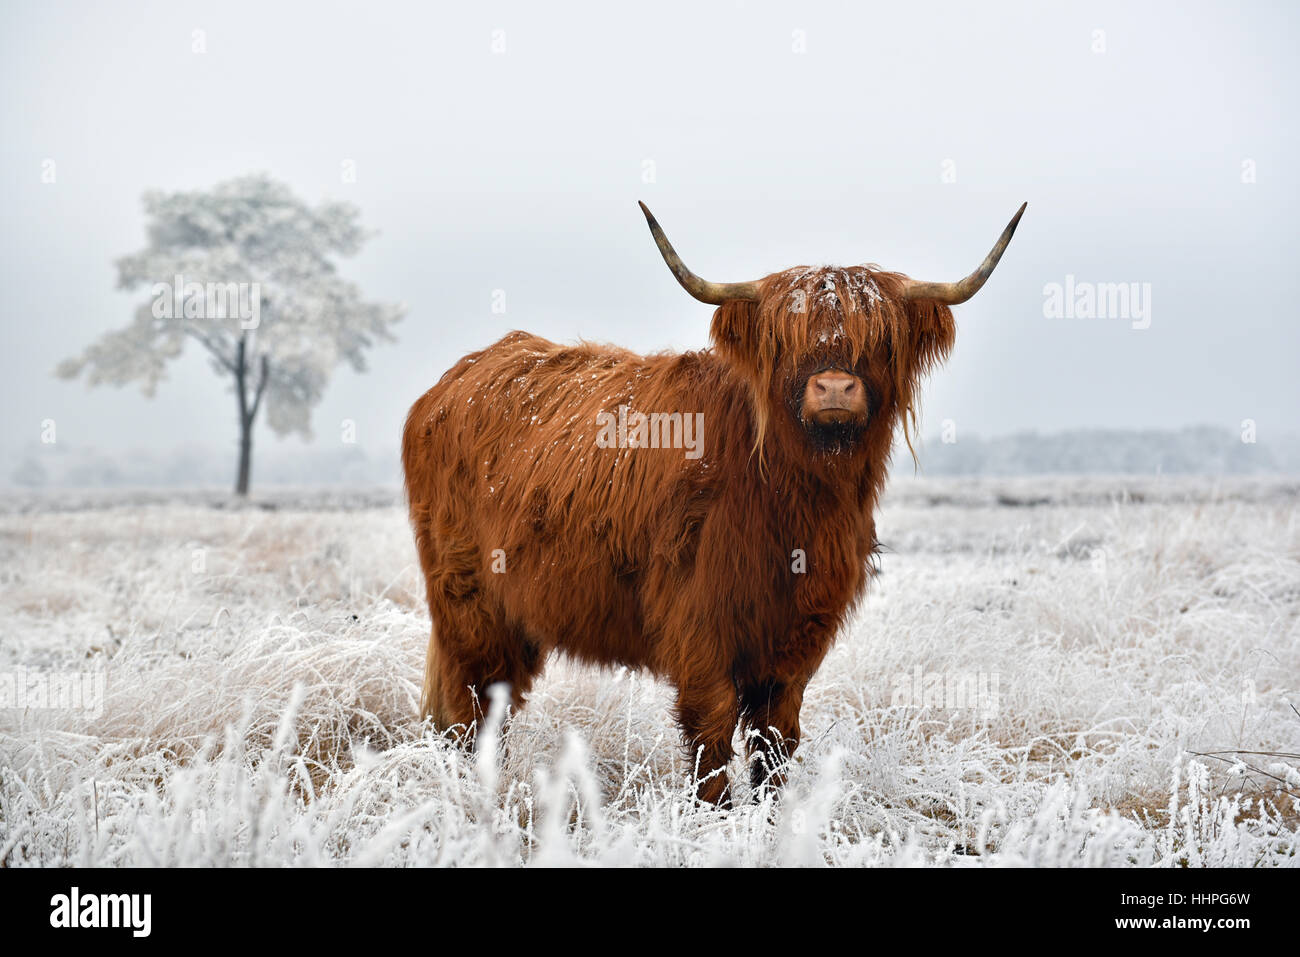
1050	672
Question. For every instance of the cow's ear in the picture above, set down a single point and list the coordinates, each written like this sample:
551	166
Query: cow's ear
735	330
932	331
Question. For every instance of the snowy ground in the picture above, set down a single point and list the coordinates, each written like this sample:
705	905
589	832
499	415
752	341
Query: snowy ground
260	668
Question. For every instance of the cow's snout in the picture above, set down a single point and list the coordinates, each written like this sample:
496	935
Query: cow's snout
835	398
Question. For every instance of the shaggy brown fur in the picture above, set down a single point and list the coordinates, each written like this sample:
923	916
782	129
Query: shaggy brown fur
533	539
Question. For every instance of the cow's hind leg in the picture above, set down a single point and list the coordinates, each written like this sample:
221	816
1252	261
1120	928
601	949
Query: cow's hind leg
471	647
707	711
471	650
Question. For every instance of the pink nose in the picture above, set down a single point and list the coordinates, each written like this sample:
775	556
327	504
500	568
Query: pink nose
836	390
834	397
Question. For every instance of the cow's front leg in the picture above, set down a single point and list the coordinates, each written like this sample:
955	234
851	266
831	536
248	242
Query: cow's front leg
708	710
770	712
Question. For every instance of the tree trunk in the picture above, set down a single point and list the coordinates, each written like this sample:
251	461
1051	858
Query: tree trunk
247	416
245	456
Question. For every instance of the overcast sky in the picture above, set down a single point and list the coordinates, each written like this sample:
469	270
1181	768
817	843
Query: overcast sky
777	134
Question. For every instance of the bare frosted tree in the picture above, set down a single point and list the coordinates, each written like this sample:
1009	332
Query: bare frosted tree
244	270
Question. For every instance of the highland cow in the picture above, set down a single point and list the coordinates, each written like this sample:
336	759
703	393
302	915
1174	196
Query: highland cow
543	526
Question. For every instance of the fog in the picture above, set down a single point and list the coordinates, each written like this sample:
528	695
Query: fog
505	148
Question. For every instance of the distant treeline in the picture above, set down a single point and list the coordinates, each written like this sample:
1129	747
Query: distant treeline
1201	450
278	463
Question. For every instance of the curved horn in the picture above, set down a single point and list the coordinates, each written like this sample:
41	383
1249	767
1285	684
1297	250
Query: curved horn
952	293
714	293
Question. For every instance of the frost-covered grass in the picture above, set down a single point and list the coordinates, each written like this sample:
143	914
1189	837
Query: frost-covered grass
262	671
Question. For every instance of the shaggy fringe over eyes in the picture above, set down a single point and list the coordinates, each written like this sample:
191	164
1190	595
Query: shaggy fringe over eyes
858	311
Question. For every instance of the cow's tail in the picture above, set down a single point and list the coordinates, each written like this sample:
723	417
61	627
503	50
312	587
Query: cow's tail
432	704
